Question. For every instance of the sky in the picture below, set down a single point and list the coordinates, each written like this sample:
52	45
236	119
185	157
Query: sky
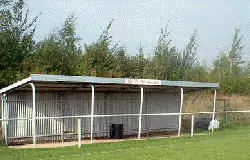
138	21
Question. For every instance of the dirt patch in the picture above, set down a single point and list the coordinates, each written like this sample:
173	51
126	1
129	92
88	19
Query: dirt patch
68	144
62	144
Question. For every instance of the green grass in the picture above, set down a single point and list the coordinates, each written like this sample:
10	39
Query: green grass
227	144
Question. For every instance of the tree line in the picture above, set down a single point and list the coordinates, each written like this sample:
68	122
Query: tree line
62	53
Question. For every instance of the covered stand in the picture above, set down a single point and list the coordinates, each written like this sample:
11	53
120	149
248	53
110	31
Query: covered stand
42	107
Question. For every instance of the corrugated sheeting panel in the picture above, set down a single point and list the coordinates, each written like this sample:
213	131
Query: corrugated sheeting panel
19	113
75	104
162	102
49	105
117	103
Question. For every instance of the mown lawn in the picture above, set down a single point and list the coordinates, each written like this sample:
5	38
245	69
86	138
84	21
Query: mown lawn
227	144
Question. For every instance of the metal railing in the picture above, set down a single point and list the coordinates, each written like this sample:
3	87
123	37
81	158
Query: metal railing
77	129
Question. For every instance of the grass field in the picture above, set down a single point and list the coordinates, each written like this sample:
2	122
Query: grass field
227	144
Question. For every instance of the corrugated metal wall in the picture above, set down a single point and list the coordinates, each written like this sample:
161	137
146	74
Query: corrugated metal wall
161	103
58	104
19	113
117	103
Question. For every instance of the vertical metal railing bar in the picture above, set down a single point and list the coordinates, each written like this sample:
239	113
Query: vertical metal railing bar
192	126
33	112
140	113
214	109
180	113
92	112
5	117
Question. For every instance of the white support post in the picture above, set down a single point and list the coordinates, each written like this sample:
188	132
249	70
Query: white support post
79	133
5	118
33	113
92	112
2	109
140	114
180	113
214	108
192	126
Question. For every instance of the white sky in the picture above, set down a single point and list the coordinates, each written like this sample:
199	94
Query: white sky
141	20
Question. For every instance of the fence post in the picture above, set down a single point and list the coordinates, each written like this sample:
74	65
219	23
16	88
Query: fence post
79	133
192	126
62	130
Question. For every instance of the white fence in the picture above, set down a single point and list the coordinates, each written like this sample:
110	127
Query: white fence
77	128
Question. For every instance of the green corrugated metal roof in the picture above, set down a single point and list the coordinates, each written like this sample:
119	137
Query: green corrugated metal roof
101	80
75	79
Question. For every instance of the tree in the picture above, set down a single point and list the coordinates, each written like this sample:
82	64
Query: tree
60	52
123	63
99	57
188	57
229	69
69	42
16	39
235	53
165	57
137	64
